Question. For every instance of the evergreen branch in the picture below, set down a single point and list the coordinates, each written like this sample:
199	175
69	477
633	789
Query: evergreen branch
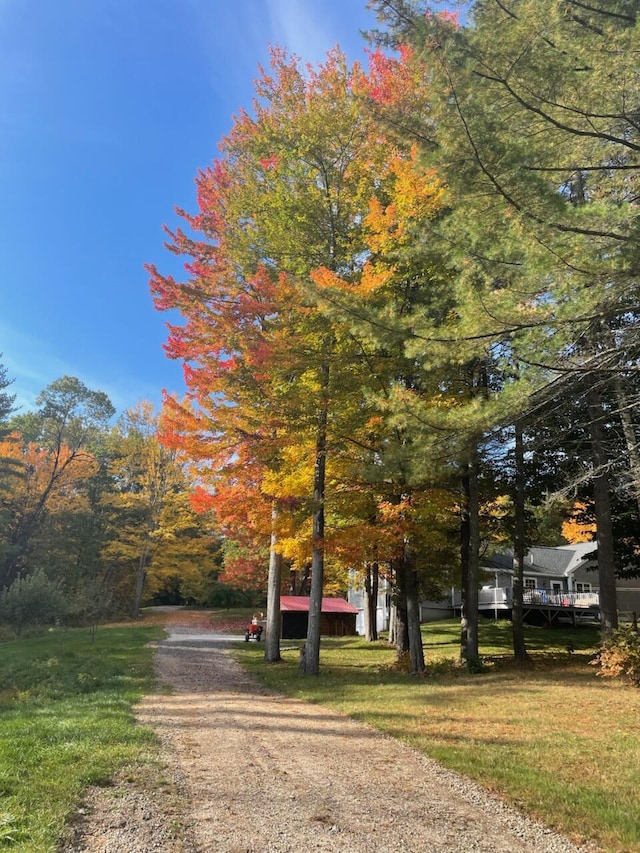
605	12
474	147
397	10
572	229
588	26
568	264
567	370
574	131
506	11
612	167
504	332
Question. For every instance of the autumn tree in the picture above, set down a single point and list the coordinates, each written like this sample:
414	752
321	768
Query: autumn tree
186	564
158	526
57	439
289	195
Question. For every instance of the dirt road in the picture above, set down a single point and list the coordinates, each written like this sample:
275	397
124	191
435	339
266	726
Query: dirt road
249	772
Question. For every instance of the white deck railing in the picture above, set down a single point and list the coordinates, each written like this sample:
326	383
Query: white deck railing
502	597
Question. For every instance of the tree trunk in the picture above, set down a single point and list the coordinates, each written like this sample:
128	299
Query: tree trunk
272	641
366	611
519	647
416	651
604	533
11	566
464	565
393	624
401	621
299	581
470	529
141	577
310	660
303	581
371	584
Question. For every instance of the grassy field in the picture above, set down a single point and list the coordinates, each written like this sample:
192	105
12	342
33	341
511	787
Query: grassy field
555	740
66	722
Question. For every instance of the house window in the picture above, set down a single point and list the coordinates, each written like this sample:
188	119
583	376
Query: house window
529	583
583	587
556	586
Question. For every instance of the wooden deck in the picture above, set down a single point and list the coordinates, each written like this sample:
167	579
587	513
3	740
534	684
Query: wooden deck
541	606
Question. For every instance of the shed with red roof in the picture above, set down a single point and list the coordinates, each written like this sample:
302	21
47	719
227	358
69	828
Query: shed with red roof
338	617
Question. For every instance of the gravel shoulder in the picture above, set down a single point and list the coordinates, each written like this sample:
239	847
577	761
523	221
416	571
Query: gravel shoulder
246	771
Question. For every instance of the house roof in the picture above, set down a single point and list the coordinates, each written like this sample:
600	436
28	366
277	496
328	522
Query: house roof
559	561
580	552
553	560
300	603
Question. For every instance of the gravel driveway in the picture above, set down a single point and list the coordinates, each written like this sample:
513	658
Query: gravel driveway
246	771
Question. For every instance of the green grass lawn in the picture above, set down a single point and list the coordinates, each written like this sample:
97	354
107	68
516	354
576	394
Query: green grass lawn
555	740
66	721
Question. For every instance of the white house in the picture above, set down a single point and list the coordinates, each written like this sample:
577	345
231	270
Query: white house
564	576
560	584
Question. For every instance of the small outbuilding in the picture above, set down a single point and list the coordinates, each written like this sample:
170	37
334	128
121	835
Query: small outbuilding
338	617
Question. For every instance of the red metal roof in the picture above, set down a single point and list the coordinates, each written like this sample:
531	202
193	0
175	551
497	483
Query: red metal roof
329	605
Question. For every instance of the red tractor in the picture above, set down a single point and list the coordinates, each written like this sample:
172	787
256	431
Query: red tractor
253	632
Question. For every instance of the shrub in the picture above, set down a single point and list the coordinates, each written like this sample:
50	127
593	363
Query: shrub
32	600
91	604
619	655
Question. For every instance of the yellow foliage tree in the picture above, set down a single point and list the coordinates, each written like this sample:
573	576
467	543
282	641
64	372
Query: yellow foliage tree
162	538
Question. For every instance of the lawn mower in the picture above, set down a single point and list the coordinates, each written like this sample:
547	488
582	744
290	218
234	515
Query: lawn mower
253	632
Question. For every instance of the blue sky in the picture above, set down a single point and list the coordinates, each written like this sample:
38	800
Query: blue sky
107	110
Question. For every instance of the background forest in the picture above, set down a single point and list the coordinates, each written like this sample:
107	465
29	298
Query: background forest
94	515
